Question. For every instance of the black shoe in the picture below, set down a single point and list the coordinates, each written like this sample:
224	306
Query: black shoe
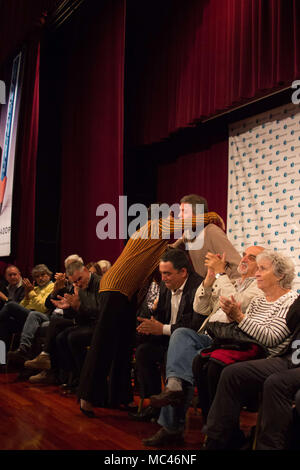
164	438
147	414
167	397
17	357
88	413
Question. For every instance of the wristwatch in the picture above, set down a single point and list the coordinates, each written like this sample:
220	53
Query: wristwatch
219	275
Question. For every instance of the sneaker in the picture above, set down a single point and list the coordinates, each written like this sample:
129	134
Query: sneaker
17	357
45	377
42	361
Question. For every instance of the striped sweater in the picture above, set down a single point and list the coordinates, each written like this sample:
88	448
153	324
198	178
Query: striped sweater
266	321
143	251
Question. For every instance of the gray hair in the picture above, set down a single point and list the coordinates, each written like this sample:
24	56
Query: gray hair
41	269
103	263
74	266
283	267
72	258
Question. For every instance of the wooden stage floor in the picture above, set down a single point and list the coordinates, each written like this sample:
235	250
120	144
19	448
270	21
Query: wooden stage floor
41	418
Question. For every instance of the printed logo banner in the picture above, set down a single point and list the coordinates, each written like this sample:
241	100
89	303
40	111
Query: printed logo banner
9	114
264	183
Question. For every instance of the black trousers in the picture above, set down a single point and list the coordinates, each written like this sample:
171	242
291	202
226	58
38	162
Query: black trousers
71	347
110	352
206	374
55	326
239	383
150	357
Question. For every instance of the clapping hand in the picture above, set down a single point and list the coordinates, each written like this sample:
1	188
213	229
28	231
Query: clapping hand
61	303
215	262
231	308
150	326
28	286
60	281
73	299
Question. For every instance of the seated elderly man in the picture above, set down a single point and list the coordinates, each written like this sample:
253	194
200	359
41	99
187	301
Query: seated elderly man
186	343
31	310
60	318
69	345
14	289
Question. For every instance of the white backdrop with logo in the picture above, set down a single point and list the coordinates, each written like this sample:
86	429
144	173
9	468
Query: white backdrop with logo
264	183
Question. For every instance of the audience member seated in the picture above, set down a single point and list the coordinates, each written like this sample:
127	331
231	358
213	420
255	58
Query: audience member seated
94	268
59	320
13	315
276	378
186	343
149	301
174	310
71	343
13	288
104	265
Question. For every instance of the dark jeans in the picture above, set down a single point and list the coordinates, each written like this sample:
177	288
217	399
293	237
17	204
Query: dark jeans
239	383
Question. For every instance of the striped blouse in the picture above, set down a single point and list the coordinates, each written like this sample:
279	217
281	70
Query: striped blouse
143	251
266	321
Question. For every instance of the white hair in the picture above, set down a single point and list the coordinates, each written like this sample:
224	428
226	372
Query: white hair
70	259
104	265
283	267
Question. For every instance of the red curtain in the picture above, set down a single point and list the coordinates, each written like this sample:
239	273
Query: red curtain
92	131
203	57
204	173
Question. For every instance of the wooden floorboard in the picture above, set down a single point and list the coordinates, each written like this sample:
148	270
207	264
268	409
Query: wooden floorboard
41	418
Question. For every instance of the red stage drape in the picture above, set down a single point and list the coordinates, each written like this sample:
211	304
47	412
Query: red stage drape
206	56
204	173
92	131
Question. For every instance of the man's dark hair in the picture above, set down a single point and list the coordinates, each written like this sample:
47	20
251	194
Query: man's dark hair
194	199
178	258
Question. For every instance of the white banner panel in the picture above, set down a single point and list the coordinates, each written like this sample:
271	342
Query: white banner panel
264	183
9	116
